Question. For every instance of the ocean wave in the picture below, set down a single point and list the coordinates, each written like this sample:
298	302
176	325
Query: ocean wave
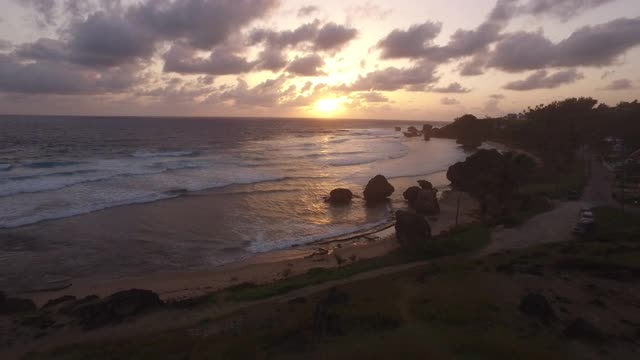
50	164
339	141
261	246
6	167
152	154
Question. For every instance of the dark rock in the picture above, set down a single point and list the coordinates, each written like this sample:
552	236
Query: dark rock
94	313
57	301
40	321
10	305
426	131
378	189
411	195
427	203
340	196
412	230
412	129
537	306
131	302
583	330
398	128
425	185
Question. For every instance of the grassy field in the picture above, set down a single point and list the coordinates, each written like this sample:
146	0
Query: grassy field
573	178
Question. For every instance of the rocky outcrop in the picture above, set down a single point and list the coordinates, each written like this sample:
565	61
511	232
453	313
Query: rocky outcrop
94	312
426	131
411	195
9	305
412	230
398	128
583	330
340	196
378	189
412	131
484	168
425	185
423	199
537	307
427	202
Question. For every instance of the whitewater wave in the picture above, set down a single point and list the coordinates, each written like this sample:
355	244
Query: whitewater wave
153	154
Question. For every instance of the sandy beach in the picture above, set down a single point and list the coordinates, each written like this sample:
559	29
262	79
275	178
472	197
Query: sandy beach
271	266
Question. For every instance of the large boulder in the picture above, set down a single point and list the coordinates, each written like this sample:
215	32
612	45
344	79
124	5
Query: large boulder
411	195
9	305
426	203
94	313
425	185
378	189
412	230
426	131
340	196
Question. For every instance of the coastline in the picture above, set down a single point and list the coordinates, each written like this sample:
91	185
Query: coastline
270	266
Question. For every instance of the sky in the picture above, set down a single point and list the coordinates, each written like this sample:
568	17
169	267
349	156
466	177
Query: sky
376	59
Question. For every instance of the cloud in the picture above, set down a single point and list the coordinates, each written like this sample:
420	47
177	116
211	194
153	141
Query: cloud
309	65
44	11
415	78
44	77
599	45
333	36
307	10
368	10
449	101
271	59
542	80
450	89
327	37
221	61
563	9
109	40
201	23
371	97
411	43
266	94
497	96
620	84
5	44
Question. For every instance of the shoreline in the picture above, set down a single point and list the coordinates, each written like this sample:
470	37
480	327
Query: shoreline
269	266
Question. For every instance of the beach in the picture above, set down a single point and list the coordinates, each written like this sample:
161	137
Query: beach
271	266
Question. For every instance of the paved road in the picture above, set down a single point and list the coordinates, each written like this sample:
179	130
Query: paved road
556	225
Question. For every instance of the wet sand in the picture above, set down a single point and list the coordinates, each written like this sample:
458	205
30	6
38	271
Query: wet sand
271	266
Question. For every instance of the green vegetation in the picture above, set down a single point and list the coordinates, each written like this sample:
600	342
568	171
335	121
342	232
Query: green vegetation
573	178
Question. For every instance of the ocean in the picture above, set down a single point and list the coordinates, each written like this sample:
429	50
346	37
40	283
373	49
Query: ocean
110	197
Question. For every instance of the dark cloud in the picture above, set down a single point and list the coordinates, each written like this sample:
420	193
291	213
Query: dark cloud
309	65
475	65
620	84
449	101
333	36
44	49
266	94
272	59
411	43
598	45
182	59
327	37
307	10
543	80
44	77
201	23
107	40
414	78
452	88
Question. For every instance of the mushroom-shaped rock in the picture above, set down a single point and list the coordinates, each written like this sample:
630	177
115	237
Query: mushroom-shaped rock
412	230
378	189
340	196
427	202
411	195
425	185
426	131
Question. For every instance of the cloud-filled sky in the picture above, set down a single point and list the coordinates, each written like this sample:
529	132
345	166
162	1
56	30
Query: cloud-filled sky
400	59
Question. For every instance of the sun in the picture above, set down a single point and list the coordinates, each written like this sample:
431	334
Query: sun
327	106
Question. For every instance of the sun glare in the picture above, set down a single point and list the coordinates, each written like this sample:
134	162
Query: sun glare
327	106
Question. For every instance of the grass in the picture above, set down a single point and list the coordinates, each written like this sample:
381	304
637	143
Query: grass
462	240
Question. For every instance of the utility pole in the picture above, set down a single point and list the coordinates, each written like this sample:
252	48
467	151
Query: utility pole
458	208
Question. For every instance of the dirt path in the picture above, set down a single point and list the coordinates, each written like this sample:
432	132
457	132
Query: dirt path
556	225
